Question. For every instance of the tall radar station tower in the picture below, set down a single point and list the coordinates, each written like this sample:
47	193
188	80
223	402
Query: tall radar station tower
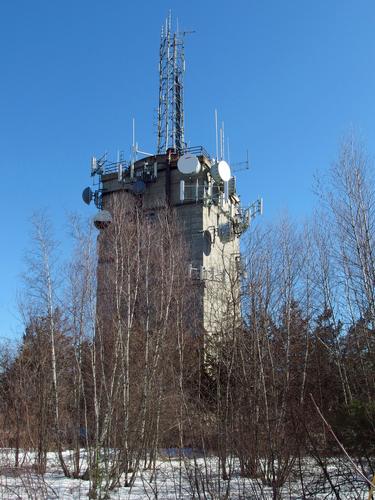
198	186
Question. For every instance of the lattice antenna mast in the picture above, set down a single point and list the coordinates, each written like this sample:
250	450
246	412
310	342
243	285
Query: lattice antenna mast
171	89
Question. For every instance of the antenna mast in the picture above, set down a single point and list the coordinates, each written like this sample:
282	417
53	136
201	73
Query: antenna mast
171	89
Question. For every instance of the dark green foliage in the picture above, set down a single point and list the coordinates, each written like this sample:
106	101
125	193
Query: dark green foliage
355	426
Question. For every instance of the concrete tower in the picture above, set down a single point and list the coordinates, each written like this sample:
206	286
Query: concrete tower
197	185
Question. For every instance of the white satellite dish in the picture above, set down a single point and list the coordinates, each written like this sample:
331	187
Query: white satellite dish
188	164
220	171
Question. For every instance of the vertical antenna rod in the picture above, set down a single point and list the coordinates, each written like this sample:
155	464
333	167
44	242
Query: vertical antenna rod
134	149
223	142
217	142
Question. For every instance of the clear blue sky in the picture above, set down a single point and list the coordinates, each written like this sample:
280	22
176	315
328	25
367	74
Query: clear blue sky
288	77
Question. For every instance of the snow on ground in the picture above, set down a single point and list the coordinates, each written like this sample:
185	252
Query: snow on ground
173	479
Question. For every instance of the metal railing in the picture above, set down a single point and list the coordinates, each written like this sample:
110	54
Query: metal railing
111	167
196	150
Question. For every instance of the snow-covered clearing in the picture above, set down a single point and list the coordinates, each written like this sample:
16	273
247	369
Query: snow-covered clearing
176	479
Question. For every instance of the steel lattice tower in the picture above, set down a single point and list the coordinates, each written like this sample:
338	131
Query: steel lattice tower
171	90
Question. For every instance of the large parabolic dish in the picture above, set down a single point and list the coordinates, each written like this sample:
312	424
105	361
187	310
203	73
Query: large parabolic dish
87	195
221	171
188	164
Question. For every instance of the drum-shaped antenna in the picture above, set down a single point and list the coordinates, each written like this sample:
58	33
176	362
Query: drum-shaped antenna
87	195
220	171
102	219
188	164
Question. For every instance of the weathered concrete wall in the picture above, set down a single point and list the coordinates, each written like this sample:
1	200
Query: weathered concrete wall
211	258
